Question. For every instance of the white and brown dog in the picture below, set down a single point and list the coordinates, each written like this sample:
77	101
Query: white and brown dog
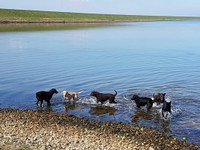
71	95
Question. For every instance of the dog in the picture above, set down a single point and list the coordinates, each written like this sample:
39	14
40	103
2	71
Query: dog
166	108
70	95
159	97
102	97
142	101
45	95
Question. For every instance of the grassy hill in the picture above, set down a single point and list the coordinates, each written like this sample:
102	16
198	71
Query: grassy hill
27	16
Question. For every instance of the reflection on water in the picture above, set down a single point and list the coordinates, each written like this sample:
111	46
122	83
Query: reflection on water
153	115
47	27
141	114
71	105
101	109
46	108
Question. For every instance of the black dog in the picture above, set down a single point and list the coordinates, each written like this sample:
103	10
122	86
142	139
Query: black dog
102	97
166	108
142	101
45	95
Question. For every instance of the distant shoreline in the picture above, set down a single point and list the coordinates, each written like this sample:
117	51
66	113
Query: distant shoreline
84	22
11	16
78	22
74	22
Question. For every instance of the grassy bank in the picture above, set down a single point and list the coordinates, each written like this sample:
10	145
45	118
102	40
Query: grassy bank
27	16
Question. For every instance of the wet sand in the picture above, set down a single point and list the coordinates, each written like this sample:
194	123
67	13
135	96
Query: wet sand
27	129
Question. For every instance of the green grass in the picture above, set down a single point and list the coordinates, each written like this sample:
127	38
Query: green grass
27	16
26	20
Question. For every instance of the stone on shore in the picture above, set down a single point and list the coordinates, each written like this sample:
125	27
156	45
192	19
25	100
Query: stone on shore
27	129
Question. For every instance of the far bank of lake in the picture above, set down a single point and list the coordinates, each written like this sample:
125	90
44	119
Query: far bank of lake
11	16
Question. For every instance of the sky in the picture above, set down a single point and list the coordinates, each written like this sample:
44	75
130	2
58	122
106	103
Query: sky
128	7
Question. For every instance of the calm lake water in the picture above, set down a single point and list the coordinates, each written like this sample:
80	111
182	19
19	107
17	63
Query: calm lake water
132	58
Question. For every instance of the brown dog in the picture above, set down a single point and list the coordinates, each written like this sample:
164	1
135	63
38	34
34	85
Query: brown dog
159	97
45	95
102	97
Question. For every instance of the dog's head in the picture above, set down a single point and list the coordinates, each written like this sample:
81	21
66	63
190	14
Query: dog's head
135	97
64	93
53	91
159	97
93	93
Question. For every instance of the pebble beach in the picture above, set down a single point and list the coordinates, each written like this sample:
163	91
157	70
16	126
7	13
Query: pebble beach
41	130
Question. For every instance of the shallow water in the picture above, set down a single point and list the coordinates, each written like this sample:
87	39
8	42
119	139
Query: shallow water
132	58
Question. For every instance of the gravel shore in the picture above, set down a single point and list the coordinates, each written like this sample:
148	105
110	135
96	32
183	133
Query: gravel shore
27	129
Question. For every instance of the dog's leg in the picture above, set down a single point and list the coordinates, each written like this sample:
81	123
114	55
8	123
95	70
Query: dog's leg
163	114
73	96
138	105
112	100
41	103
64	97
166	115
37	102
48	103
101	101
149	106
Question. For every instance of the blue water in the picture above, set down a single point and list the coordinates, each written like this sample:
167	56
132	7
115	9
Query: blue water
132	58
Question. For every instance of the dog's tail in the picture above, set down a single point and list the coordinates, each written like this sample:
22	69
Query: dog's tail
79	92
115	92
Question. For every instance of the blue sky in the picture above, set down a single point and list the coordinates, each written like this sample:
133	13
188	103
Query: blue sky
132	7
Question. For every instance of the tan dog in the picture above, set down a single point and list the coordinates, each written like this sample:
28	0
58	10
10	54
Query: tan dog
71	95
